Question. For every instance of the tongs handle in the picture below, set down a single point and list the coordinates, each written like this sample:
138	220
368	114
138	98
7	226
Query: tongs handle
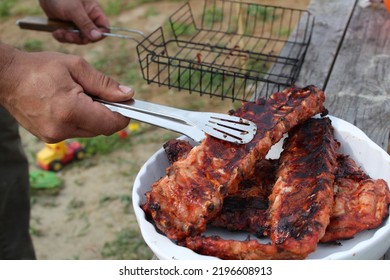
44	24
50	25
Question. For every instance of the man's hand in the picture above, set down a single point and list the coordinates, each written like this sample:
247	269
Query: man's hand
48	92
86	14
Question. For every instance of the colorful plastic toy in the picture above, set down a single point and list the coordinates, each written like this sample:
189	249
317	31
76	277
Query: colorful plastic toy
54	156
41	179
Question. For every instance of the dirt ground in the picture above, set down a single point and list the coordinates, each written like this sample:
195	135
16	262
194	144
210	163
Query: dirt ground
91	215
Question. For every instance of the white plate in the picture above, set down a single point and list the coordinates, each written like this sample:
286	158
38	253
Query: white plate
370	244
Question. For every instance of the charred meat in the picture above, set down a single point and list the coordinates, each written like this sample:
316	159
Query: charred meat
361	202
300	203
193	190
247	209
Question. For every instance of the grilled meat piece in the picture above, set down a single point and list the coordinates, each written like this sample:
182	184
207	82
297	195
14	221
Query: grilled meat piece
247	209
348	169
302	198
300	203
192	193
176	149
361	203
235	249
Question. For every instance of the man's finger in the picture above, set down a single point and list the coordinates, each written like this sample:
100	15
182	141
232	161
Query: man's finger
96	83
86	26
64	36
95	118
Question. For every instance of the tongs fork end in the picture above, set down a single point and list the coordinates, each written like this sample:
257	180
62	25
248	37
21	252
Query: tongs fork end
231	128
192	124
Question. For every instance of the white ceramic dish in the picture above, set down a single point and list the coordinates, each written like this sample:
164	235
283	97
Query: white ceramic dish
370	244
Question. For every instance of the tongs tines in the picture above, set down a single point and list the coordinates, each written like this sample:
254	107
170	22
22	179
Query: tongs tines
192	124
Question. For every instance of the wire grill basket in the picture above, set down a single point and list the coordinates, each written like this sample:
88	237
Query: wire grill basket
230	50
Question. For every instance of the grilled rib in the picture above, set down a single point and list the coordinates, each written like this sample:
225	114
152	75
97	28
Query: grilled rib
361	202
182	202
246	210
300	203
176	149
302	198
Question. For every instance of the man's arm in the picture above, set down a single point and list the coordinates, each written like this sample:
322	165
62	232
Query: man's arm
48	94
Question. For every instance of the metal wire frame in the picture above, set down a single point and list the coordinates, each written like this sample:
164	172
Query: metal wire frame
228	51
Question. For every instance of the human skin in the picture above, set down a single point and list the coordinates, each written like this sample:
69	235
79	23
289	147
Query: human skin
49	93
86	14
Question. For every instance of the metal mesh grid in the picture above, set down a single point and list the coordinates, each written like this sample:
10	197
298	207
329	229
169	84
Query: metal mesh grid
231	50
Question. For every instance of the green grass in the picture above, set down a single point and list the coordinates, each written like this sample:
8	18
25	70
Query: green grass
183	29
137	3
127	245
20	8
33	45
113	7
257	64
121	66
5	7
284	32
151	12
197	81
262	13
124	199
75	204
211	16
35	223
101	144
35	231
25	10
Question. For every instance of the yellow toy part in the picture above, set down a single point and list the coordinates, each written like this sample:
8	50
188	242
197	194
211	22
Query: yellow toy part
54	156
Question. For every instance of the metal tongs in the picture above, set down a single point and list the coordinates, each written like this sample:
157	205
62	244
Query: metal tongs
192	124
50	25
